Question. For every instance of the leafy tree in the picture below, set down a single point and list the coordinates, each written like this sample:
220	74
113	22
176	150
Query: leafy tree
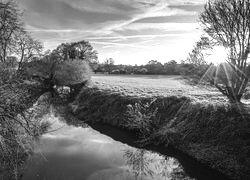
142	71
170	68
196	57
10	24
195	65
81	50
227	23
154	67
71	74
51	73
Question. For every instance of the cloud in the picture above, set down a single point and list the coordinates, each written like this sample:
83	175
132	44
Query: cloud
120	26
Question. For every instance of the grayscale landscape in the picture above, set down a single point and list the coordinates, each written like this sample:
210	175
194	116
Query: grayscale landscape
124	89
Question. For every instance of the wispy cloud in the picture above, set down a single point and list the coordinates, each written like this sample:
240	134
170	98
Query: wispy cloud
123	26
120	44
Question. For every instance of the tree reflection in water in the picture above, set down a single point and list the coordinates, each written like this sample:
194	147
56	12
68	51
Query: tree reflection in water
144	164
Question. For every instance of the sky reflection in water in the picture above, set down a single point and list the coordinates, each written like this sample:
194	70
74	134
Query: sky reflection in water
77	153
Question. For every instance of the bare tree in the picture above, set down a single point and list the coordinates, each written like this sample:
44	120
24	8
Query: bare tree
227	22
10	23
26	47
109	65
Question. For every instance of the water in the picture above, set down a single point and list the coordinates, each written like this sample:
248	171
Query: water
82	153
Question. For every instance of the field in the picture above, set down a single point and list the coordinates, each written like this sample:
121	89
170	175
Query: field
155	85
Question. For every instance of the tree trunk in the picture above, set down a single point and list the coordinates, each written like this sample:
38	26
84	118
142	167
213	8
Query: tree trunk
21	61
234	98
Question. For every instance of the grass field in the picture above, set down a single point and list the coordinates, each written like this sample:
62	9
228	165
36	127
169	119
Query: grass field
155	85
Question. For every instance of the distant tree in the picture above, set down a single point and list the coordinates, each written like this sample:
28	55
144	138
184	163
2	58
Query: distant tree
142	71
109	65
195	65
129	69
154	67
10	24
227	24
196	57
170	68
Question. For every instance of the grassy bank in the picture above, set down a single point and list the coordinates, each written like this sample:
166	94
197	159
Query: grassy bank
216	134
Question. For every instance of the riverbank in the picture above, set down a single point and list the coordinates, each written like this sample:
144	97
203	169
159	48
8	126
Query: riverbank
214	134
20	124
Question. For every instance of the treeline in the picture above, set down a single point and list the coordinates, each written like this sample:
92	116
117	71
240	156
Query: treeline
153	67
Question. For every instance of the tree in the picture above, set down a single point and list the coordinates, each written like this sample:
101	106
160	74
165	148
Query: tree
142	71
154	67
71	73
26	47
227	23
109	65
170	68
195	65
10	24
81	50
196	57
51	73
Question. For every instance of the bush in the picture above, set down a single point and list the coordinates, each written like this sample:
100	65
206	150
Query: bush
142	118
7	70
71	72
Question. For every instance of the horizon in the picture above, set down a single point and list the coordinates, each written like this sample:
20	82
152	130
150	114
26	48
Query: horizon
130	32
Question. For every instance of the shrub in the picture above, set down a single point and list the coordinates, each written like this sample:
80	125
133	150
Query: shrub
142	118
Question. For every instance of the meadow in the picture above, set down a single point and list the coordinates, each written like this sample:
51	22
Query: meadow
156	86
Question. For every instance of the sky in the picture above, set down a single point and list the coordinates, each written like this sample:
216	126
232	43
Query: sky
129	31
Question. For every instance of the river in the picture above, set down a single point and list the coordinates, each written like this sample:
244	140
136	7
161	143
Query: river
70	152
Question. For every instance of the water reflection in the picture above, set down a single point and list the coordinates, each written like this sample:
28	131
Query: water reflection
85	154
145	164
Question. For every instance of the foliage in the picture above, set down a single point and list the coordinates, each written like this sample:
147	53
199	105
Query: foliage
154	67
195	65
8	70
16	44
19	124
142	117
71	73
82	51
51	72
196	57
171	68
227	24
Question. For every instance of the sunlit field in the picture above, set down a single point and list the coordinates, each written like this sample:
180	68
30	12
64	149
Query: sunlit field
155	85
